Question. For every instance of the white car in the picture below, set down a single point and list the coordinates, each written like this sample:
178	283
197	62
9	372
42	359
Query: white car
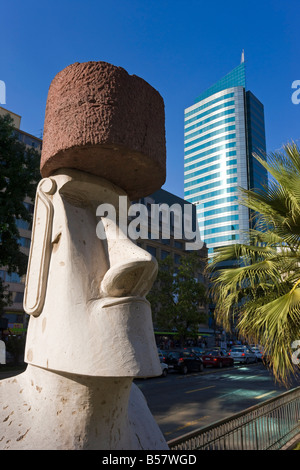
242	354
164	369
258	351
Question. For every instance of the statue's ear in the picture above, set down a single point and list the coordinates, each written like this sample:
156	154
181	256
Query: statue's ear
40	249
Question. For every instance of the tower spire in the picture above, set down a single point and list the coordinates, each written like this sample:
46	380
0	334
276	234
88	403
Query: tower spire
243	57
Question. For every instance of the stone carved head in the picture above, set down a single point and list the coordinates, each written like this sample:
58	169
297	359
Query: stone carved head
86	296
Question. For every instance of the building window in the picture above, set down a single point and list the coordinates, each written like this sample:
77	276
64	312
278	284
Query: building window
178	244
29	207
224	238
219	220
227	228
25	242
203	188
203	179
219	210
209	111
164	254
177	258
13	277
210	134
151	250
211	126
20	223
18	299
211	142
209	152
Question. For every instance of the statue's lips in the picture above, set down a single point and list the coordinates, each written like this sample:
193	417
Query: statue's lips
112	301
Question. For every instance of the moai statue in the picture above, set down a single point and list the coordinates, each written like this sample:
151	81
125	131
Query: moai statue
90	331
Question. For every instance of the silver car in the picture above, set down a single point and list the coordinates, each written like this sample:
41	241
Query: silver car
258	351
242	354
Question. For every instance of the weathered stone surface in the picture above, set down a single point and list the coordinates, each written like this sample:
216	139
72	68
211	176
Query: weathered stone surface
90	332
101	120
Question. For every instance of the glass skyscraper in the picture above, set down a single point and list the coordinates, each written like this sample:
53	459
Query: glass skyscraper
222	129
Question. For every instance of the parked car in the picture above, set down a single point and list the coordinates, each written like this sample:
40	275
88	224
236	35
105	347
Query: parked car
161	355
242	354
184	361
164	369
258	351
217	358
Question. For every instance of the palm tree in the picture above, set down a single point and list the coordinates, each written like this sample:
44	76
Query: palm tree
261	293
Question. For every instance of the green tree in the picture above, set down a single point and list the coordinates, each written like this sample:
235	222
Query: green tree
19	174
261	294
177	295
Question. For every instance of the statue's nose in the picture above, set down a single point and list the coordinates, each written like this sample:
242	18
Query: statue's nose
132	270
133	277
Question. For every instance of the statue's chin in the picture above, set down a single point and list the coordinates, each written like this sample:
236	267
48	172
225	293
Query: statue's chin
126	329
115	338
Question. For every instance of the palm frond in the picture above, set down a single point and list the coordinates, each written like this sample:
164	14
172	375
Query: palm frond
260	293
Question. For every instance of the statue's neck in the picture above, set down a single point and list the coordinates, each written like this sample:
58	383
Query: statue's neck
81	410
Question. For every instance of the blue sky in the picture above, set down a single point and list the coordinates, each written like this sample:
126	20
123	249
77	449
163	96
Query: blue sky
180	47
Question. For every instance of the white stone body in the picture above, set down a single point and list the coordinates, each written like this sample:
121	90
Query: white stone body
90	332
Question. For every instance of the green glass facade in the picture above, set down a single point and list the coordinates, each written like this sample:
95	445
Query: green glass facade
237	77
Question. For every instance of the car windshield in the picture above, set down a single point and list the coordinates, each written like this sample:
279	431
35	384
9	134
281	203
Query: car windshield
178	354
187	354
174	354
212	353
237	350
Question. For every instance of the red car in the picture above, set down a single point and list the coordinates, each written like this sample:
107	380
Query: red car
217	358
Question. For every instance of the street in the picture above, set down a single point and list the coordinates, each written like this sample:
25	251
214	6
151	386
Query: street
183	403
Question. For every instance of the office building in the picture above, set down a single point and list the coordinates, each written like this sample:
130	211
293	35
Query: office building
222	130
161	247
14	313
173	246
